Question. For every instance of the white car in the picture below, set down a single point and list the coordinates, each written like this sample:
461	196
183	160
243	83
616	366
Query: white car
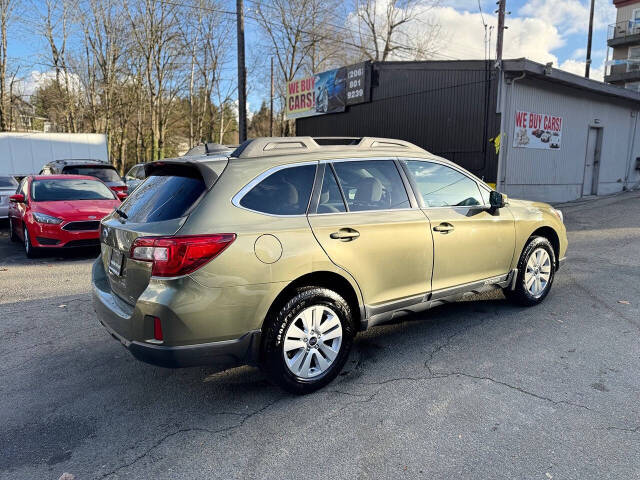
8	187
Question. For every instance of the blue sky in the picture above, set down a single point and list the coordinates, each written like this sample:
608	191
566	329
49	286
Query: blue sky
542	30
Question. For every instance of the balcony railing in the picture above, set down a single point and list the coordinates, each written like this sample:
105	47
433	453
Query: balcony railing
623	29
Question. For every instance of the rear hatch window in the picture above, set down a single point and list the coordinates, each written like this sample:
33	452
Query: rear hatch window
167	194
106	173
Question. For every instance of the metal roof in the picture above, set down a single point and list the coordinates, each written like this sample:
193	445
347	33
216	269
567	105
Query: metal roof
539	71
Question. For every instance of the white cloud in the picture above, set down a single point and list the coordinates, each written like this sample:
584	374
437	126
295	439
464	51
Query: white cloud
577	67
570	16
35	79
462	36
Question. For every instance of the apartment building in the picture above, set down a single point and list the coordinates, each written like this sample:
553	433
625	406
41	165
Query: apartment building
623	63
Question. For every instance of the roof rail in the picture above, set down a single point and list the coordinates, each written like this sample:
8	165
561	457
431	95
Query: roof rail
269	146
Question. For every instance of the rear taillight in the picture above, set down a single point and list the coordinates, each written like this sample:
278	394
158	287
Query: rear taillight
175	256
157	329
119	188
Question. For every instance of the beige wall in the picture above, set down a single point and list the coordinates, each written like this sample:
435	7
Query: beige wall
624	13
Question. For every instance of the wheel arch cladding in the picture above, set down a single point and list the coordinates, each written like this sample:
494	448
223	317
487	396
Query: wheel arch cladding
550	234
329	280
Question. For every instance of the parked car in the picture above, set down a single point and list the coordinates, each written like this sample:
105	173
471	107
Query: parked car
280	253
134	177
59	211
8	186
94	168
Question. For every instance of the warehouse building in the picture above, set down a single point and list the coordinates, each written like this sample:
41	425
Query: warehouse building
537	132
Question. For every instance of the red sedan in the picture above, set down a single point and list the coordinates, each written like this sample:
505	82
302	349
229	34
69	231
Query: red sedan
59	211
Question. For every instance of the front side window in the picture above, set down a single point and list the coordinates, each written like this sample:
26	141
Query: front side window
442	186
372	185
284	192
8	182
60	190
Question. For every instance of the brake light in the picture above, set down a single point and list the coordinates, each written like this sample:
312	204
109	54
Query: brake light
181	255
119	188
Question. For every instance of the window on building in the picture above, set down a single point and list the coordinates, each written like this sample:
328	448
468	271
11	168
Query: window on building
635	86
633	62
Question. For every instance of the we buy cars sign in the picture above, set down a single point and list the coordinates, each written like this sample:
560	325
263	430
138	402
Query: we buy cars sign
537	130
301	97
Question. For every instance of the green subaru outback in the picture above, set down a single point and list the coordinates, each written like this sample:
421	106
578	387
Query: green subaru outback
280	253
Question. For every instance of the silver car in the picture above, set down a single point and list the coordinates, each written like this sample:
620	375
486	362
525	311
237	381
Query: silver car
8	186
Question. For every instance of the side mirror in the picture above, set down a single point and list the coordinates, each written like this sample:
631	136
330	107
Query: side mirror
497	199
17	198
121	196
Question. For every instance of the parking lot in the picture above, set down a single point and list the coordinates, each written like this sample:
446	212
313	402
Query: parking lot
477	389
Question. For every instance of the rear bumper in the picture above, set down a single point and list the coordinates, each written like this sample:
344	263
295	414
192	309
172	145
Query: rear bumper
126	324
225	354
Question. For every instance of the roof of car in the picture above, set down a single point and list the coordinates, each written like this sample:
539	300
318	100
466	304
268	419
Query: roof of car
63	177
277	146
79	161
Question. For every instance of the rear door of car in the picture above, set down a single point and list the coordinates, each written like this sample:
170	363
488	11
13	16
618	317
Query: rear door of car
471	242
366	220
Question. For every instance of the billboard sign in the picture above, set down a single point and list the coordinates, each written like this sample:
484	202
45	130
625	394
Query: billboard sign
537	130
328	92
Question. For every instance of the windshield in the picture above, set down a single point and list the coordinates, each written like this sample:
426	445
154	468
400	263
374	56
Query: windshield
8	182
72	189
106	174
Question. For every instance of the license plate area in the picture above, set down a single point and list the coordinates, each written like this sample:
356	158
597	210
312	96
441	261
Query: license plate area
115	262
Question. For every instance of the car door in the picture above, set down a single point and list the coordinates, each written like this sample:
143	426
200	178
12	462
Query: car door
18	210
471	242
364	221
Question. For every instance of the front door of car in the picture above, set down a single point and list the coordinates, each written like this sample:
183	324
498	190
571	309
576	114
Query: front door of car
470	241
366	225
19	209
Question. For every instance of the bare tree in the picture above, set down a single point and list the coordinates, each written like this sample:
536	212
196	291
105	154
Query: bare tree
381	29
6	9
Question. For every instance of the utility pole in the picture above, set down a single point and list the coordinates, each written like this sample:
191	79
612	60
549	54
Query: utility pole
587	66
271	103
502	7
242	75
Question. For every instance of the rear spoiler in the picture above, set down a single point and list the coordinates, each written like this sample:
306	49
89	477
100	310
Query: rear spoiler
182	167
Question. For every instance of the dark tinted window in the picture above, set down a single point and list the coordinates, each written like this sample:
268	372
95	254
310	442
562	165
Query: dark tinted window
285	192
73	189
106	174
442	186
8	182
163	197
372	185
330	197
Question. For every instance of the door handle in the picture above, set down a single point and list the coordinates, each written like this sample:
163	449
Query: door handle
444	228
345	234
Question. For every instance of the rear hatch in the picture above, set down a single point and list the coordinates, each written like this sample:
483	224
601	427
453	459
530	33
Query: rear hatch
158	207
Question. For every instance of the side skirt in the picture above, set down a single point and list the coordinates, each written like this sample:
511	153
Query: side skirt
389	312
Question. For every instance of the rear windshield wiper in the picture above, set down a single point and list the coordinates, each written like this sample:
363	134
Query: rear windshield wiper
121	213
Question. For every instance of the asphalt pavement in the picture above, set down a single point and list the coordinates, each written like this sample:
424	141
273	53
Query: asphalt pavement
476	389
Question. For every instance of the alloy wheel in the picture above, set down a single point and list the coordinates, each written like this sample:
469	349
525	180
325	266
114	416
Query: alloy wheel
538	272
312	341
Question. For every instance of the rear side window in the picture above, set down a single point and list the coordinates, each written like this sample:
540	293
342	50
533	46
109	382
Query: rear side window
372	185
164	196
106	174
285	192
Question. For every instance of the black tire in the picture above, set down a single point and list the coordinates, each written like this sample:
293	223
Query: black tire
12	234
29	249
273	361
521	294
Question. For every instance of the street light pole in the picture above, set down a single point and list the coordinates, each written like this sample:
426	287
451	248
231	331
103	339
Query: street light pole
242	75
587	66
